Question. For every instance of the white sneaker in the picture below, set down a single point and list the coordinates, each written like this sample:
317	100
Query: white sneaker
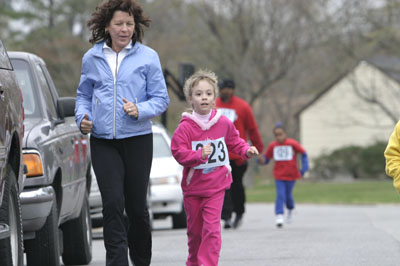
289	216
279	220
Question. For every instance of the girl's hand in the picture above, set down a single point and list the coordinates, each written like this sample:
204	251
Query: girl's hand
86	124
252	151
205	151
130	108
261	159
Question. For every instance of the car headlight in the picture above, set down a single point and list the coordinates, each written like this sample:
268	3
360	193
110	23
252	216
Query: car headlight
167	180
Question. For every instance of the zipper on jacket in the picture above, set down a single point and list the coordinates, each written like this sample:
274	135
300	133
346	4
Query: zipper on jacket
115	97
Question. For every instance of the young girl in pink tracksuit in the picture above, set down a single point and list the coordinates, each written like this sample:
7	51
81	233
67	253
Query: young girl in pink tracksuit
201	143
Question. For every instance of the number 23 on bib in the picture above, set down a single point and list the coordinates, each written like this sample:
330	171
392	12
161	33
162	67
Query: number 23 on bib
219	152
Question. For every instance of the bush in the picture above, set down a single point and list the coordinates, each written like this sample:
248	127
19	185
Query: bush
352	161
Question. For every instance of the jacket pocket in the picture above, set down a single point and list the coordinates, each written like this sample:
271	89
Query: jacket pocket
95	109
102	117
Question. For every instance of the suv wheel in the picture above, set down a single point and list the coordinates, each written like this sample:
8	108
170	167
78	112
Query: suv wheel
44	250
11	251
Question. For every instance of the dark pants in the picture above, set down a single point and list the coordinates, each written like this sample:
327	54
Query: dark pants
235	196
122	168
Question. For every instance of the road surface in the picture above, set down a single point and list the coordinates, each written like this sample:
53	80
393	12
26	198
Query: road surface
320	235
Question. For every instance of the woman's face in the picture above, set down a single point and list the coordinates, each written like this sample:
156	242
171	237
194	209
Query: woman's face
121	29
203	97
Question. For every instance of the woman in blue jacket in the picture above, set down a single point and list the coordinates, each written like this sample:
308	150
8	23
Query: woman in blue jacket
121	89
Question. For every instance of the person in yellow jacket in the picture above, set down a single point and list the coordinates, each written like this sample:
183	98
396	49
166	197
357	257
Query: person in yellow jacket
392	155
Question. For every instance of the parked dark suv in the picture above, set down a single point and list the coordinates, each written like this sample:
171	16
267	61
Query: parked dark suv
54	202
11	166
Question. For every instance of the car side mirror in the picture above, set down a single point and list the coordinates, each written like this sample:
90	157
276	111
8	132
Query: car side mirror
66	106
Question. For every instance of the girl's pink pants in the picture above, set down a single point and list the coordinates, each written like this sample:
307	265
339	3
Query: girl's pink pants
204	229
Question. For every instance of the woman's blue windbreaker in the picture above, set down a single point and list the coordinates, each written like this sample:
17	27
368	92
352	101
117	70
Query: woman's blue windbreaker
140	80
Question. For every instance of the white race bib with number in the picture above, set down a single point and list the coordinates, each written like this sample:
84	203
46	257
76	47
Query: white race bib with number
219	153
229	113
283	153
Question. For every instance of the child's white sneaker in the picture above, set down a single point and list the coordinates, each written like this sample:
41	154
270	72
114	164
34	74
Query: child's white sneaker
279	220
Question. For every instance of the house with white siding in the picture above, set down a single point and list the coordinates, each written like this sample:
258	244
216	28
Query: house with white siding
361	107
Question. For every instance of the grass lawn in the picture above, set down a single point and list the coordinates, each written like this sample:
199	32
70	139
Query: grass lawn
358	192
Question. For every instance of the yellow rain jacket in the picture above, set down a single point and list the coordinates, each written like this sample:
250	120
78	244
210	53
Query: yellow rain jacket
392	155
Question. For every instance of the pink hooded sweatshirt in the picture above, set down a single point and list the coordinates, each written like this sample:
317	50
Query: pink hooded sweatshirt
205	182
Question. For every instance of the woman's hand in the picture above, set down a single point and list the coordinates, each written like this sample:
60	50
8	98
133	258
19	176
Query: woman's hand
252	151
130	108
86	124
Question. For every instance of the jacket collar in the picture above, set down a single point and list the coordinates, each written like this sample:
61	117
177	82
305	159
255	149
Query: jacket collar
215	116
98	48
127	47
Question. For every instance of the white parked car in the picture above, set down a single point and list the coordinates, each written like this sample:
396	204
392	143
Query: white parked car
165	197
165	177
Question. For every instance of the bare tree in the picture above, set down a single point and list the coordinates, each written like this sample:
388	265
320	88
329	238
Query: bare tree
371	31
380	94
256	42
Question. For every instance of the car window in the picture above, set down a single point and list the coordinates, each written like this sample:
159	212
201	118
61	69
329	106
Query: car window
4	60
24	78
160	146
51	109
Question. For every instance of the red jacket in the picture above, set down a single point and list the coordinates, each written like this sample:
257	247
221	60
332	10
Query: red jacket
240	113
284	155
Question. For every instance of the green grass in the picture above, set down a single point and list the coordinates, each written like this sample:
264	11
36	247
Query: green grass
359	192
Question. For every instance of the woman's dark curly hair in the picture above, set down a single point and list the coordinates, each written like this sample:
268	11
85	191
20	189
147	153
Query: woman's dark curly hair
104	13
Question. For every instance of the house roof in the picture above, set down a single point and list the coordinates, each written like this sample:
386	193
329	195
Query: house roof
388	64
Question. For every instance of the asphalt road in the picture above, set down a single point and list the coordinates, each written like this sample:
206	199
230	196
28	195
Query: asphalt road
320	235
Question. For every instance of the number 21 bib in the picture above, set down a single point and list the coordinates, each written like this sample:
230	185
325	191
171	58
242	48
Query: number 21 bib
283	153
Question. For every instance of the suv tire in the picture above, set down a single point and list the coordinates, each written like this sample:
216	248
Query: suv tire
11	250
44	250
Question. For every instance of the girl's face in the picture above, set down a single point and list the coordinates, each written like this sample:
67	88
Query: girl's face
280	135
203	97
121	29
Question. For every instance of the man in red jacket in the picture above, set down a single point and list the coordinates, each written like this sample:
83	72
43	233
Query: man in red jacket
240	113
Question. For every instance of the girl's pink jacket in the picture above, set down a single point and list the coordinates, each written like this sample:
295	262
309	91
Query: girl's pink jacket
197	182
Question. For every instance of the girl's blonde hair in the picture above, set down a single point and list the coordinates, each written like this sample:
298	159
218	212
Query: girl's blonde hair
194	79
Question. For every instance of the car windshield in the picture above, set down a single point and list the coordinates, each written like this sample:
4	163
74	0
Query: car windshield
160	146
24	78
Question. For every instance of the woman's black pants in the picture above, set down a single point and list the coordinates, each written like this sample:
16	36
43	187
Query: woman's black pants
122	168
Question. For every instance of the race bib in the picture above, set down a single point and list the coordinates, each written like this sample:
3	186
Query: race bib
219	153
283	153
229	113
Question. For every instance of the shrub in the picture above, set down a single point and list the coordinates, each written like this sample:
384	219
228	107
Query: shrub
354	161
372	161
